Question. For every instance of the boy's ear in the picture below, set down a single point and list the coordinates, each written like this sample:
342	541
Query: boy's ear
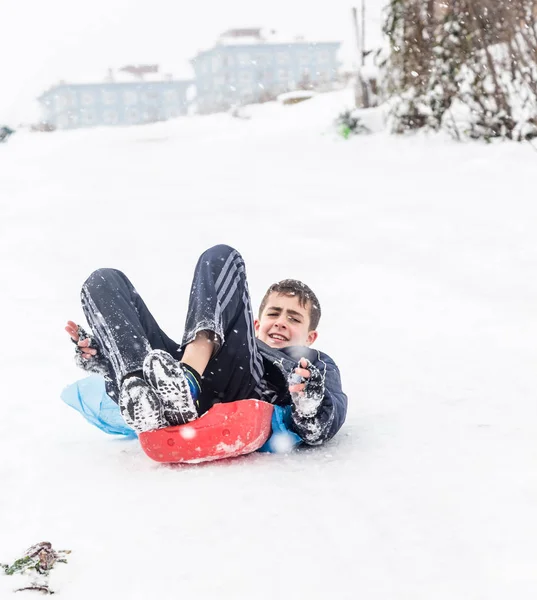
312	336
256	325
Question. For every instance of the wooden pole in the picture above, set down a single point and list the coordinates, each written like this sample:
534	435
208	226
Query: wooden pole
358	85
362	37
361	93
365	87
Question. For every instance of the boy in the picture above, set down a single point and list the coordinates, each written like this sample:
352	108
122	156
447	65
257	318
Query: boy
225	354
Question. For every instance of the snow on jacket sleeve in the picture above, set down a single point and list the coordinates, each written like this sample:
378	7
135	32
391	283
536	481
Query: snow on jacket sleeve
332	410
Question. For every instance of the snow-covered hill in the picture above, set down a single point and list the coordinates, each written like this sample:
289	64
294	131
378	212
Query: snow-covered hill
423	254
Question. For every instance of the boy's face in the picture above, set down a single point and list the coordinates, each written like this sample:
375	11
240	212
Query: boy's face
284	322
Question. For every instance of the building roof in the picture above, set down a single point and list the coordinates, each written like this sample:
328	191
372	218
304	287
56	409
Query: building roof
261	35
127	74
256	36
125	83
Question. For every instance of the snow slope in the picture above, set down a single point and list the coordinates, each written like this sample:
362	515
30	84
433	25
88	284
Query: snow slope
423	254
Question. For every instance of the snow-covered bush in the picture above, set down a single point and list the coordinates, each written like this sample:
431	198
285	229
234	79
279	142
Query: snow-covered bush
349	123
464	66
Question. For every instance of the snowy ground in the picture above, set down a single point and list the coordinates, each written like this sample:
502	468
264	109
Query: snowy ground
423	253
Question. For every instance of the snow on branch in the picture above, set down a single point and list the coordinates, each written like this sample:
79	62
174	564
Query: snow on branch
465	66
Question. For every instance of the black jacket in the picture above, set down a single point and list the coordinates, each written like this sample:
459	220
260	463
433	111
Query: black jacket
330	416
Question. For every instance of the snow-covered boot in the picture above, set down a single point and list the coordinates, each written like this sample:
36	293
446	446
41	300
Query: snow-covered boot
176	384
140	406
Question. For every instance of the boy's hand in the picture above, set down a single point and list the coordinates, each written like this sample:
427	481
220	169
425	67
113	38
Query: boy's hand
306	385
85	344
300	374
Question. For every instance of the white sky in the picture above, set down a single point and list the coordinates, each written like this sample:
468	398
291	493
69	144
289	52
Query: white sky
43	42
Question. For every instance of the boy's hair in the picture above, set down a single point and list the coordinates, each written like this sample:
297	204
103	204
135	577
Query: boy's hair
293	287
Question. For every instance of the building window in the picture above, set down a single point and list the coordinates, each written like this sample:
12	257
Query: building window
172	112
282	58
323	57
305	81
87	99
303	58
130	97
110	117
133	115
283	75
266	76
66	100
149	116
244	59
150	96
109	97
171	96
88	117
216	63
246	76
61	102
226	61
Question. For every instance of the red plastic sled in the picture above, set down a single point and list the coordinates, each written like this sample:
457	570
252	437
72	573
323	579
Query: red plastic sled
224	431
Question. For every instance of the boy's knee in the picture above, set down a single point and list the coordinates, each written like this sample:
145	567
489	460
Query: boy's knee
220	252
102	277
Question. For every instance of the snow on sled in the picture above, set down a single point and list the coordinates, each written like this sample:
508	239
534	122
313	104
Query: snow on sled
224	431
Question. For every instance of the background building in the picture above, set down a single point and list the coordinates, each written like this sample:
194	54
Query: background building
245	66
113	102
253	65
